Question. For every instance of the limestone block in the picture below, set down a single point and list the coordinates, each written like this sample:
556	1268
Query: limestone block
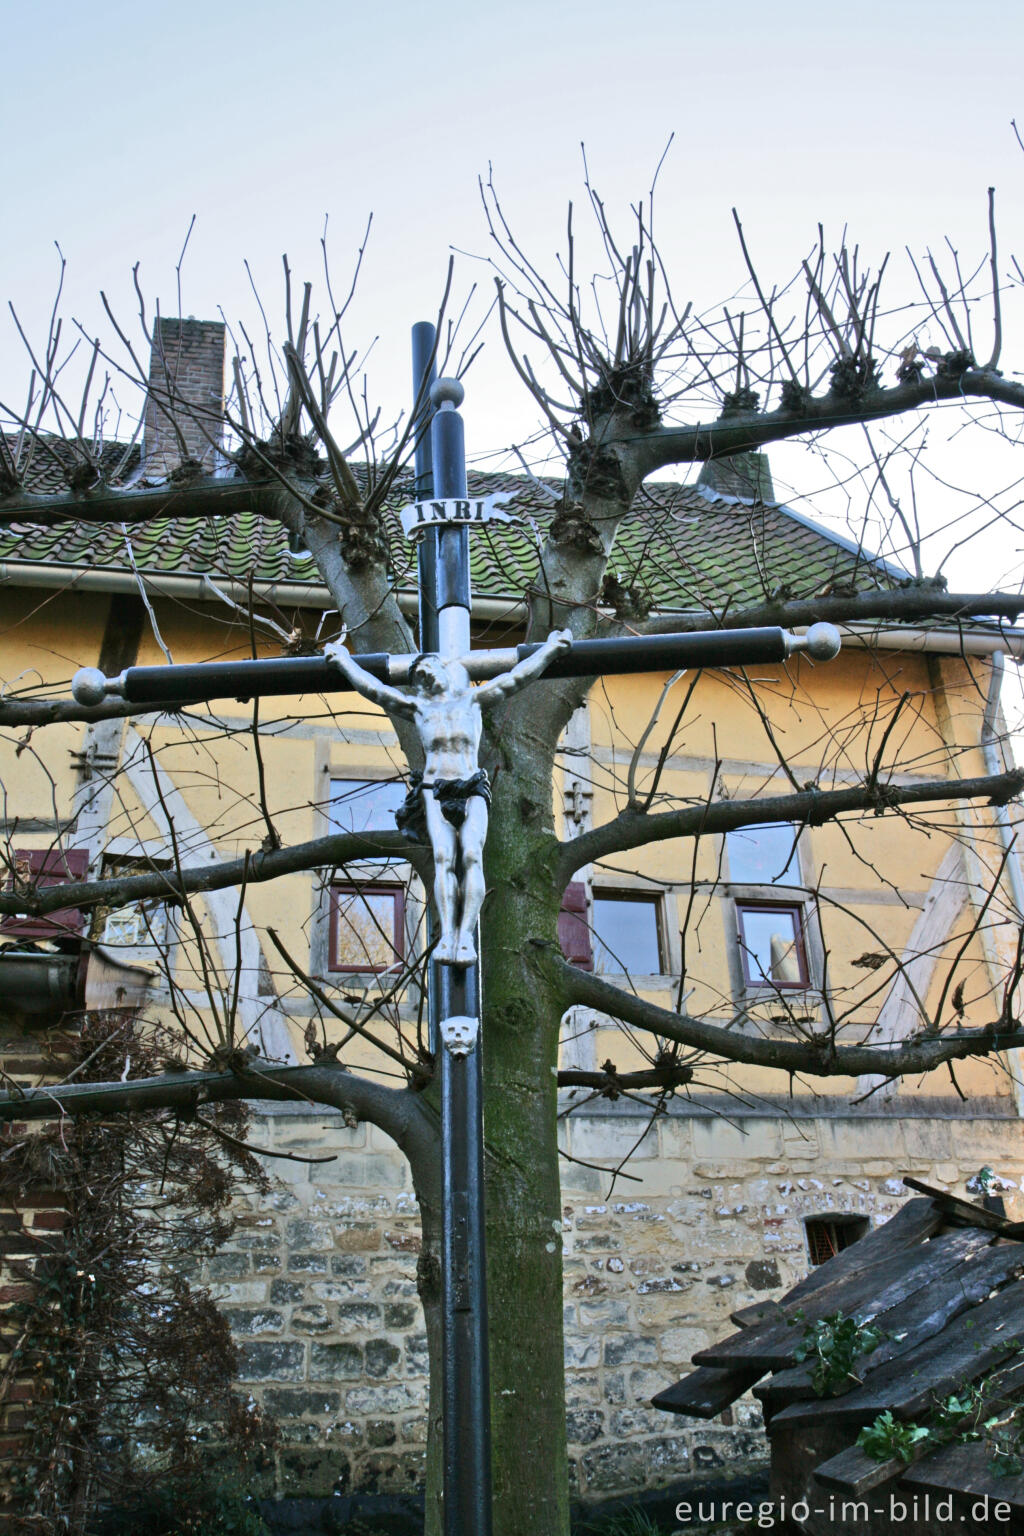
240	1291
676	1139
582	1181
301	1402
630	1349
250	1321
365	1170
307	1263
355	1316
358	1237
580	1353
926	1141
381	1357
335	1362
604	1314
319	1473
279	1360
282	1292
396	1397
667	1458
311	1318
584	1425
719	1141
600	1138
607	1467
679	1345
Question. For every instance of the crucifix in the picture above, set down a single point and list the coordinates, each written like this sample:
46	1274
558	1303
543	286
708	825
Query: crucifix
449	799
448	802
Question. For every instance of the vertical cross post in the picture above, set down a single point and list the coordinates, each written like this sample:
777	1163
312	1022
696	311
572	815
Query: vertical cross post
456	994
424	372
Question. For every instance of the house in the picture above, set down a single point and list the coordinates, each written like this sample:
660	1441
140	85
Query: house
743	1182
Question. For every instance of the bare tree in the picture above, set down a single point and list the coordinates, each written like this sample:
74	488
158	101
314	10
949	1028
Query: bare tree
628	383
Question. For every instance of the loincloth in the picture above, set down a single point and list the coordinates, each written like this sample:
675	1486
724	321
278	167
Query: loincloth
450	794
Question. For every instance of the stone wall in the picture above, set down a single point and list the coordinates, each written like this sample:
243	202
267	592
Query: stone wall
319	1280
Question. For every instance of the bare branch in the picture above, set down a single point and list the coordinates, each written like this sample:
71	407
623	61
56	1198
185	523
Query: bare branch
810	807
255	867
815	1058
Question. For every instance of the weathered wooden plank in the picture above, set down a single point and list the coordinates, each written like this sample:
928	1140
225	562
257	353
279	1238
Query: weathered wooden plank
864	1295
969	1346
976	1215
913	1223
853	1472
913	1322
966	1469
758	1313
704	1393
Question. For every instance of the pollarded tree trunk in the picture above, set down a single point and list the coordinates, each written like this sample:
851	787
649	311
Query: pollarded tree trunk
524	1255
521	1013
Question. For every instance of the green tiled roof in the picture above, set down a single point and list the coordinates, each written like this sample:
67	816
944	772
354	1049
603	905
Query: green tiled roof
682	547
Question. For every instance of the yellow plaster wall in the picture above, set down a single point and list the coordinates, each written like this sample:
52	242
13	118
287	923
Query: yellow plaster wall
828	721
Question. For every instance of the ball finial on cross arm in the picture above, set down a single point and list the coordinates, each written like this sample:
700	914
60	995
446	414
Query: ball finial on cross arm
446	392
823	642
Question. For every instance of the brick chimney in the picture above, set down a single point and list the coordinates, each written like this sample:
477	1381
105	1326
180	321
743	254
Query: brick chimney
186	383
746	475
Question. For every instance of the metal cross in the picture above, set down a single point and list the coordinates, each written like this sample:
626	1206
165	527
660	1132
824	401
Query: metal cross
441	518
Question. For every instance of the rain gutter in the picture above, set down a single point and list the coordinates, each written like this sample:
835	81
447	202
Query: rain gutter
947	640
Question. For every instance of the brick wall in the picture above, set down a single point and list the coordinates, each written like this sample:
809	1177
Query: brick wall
31	1225
186	382
319	1282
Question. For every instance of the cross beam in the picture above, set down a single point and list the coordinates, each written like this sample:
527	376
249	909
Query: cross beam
281	675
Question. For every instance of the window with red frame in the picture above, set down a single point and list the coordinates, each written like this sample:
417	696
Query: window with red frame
42	867
772	948
367	927
627	934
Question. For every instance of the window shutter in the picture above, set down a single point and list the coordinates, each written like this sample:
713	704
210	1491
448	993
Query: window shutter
573	932
44	867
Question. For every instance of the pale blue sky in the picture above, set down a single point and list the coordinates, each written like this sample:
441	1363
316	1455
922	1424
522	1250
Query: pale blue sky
122	120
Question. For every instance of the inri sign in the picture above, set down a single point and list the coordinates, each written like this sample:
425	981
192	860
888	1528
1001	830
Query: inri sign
428	514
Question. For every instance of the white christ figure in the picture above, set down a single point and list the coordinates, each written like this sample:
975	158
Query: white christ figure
449	800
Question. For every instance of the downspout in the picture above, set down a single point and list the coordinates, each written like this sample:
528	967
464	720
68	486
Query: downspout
995	764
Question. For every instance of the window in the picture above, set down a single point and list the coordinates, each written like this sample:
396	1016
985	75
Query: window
367	927
764	855
829	1235
771	939
364	805
136	933
771	934
366	914
627	934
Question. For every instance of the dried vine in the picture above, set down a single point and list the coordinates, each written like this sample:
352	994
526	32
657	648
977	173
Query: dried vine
116	1381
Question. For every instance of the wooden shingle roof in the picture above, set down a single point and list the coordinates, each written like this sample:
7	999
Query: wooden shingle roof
944	1282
